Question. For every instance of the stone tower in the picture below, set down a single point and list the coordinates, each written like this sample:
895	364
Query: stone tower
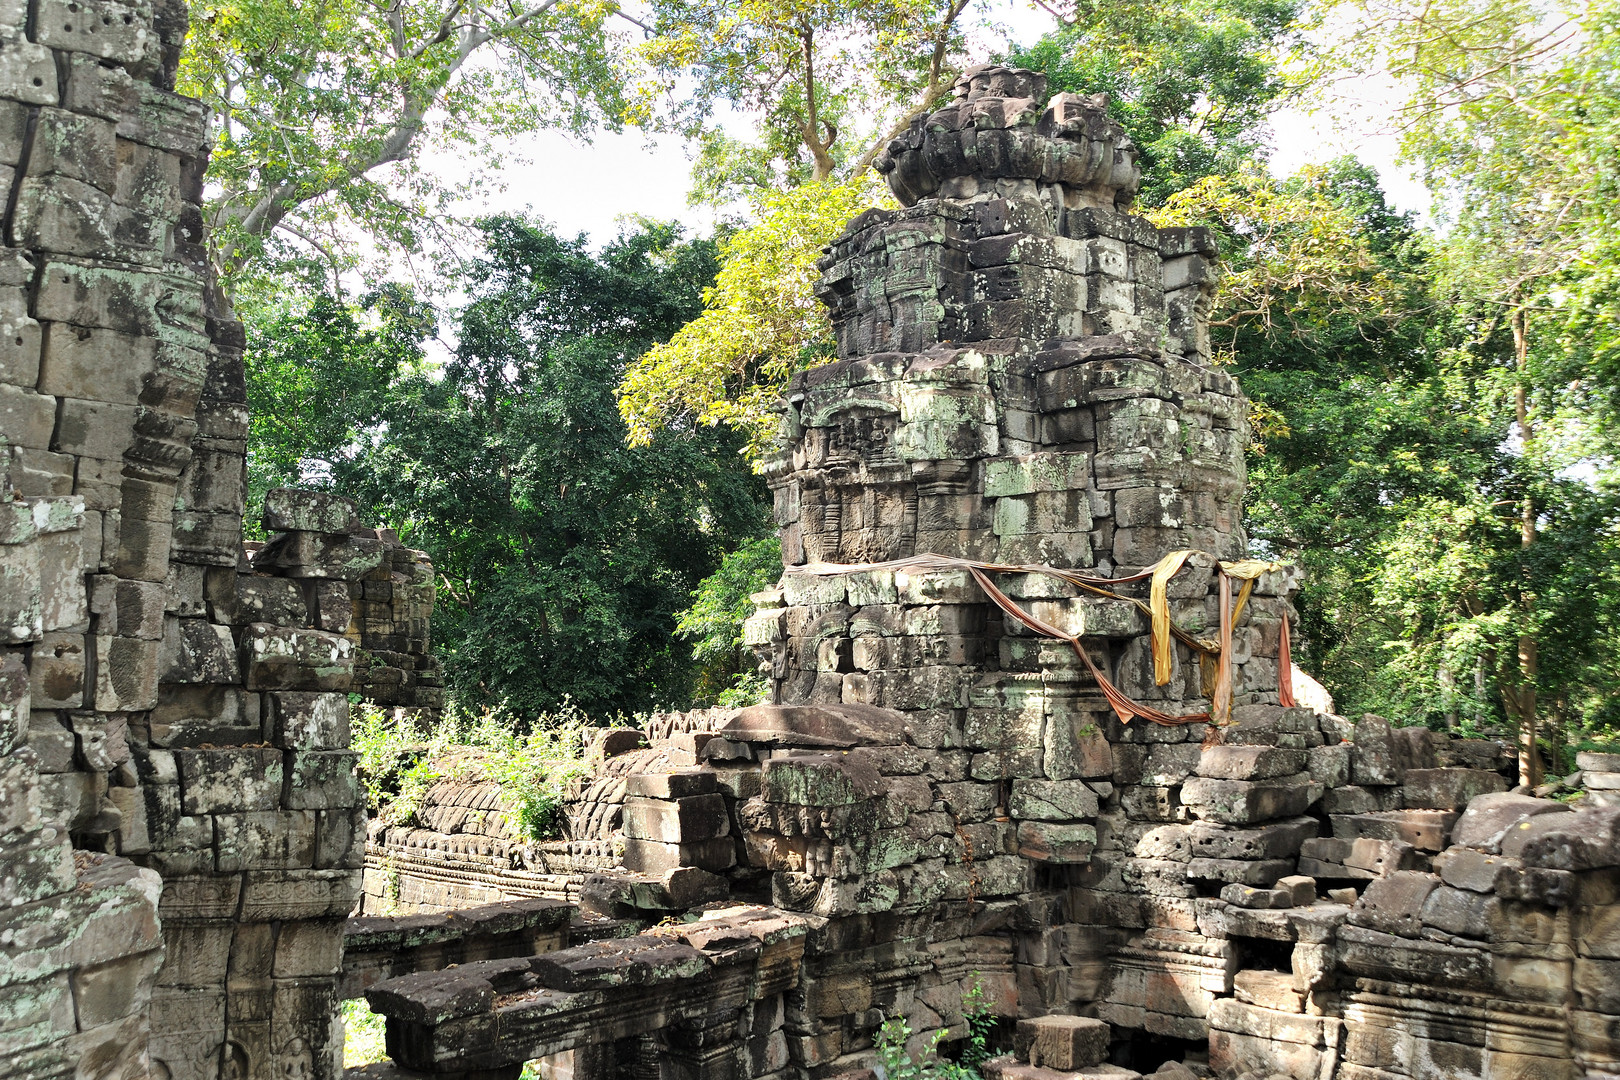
1023	377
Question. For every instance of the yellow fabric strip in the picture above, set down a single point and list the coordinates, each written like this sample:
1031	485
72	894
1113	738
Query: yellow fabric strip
1159	603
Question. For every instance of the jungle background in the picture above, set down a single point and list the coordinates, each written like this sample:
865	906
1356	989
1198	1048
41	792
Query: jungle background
569	424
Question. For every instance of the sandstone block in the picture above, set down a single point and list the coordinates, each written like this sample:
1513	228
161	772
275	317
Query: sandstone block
229	781
292	509
679	784
321	780
1052	800
1062	1042
308	721
263	840
1246	802
1250	762
1378	756
278	658
654	857
1268	990
1426	830
1279	840
1449	789
57	673
1394	904
1490	818
1050	842
1261	874
197	651
676	821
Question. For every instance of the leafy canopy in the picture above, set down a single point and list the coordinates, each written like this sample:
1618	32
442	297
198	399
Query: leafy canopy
321	111
760	321
564	554
1192	83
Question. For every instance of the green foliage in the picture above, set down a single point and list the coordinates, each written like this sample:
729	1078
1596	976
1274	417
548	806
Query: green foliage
535	768
819	75
533	760
364	1034
320	112
896	1062
317	374
564	554
760	322
1191	83
715	622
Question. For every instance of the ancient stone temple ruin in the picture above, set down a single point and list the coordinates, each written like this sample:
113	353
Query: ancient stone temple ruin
1002	753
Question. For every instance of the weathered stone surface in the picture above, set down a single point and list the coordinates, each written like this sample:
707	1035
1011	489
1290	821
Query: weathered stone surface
676	821
1062	1042
1246	802
1449	789
292	509
278	658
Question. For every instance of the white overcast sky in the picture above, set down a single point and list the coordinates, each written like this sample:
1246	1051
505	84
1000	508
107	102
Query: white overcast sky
586	187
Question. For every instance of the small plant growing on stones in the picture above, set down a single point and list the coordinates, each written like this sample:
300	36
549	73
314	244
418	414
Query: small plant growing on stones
401	758
895	1062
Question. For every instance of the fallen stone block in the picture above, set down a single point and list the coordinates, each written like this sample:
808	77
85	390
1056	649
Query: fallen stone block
1449	789
1256	897
1278	840
1425	830
1062	1042
1378	758
1250	762
1263	873
1466	868
1301	889
1489	819
1394	904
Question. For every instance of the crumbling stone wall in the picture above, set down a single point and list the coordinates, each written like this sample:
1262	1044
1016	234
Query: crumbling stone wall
172	709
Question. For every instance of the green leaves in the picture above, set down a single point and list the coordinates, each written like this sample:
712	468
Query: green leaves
564	552
719	608
321	111
1191	83
760	322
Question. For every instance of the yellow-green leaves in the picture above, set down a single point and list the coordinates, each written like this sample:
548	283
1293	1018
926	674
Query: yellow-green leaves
760	322
1294	257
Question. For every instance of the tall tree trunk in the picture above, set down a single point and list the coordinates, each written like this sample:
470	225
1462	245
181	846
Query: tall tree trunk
1529	759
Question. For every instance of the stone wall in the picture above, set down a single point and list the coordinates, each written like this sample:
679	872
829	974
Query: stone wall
172	708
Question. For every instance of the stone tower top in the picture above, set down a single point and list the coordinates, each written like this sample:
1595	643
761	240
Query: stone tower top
995	140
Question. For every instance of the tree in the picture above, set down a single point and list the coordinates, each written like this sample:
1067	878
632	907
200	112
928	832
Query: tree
1192	84
1512	114
320	111
714	623
760	322
835	81
563	554
317	378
